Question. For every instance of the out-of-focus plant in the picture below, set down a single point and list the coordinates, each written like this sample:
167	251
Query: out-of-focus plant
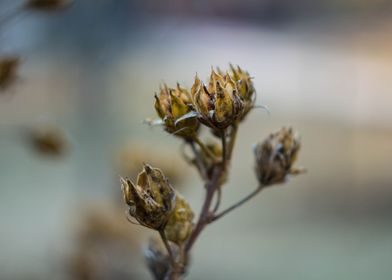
8	71
47	140
9	64
101	244
220	105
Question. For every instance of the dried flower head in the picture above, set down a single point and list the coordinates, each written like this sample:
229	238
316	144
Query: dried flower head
48	140
173	107
8	71
219	105
47	5
245	87
275	157
180	225
152	200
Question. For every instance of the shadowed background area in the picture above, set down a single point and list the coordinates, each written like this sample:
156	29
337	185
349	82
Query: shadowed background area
323	67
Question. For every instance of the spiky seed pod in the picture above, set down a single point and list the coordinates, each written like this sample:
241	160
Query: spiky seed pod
219	105
8	71
179	226
173	106
151	200
245	87
275	157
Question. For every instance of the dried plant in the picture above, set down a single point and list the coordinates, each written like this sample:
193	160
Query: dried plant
221	105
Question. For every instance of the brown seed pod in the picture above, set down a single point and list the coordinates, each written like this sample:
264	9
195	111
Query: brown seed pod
219	104
275	157
173	106
151	200
180	225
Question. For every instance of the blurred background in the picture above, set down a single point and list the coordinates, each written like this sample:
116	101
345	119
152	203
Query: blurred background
89	73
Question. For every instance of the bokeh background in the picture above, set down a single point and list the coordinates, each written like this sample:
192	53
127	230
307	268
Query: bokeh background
324	67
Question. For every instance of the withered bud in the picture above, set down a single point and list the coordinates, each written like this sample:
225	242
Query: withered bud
8	71
152	200
47	5
48	140
179	226
275	157
219	105
173	106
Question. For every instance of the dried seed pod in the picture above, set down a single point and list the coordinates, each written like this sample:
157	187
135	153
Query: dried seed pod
245	87
219	105
8	71
46	5
173	107
152	200
179	226
275	157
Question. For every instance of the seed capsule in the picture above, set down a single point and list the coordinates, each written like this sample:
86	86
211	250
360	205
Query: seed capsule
245	87
180	225
275	157
152	200
219	105
173	107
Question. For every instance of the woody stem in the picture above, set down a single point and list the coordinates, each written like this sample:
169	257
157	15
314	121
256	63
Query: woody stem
236	205
167	245
199	163
204	148
211	186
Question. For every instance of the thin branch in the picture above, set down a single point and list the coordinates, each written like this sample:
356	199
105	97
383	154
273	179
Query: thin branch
233	137
224	145
236	205
168	248
205	149
218	199
199	163
210	187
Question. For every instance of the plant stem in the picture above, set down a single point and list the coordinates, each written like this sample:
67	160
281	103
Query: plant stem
167	245
199	162
236	205
218	199
204	148
212	186
233	137
204	213
224	145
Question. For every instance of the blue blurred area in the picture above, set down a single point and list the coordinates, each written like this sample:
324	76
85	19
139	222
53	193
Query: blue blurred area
91	70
